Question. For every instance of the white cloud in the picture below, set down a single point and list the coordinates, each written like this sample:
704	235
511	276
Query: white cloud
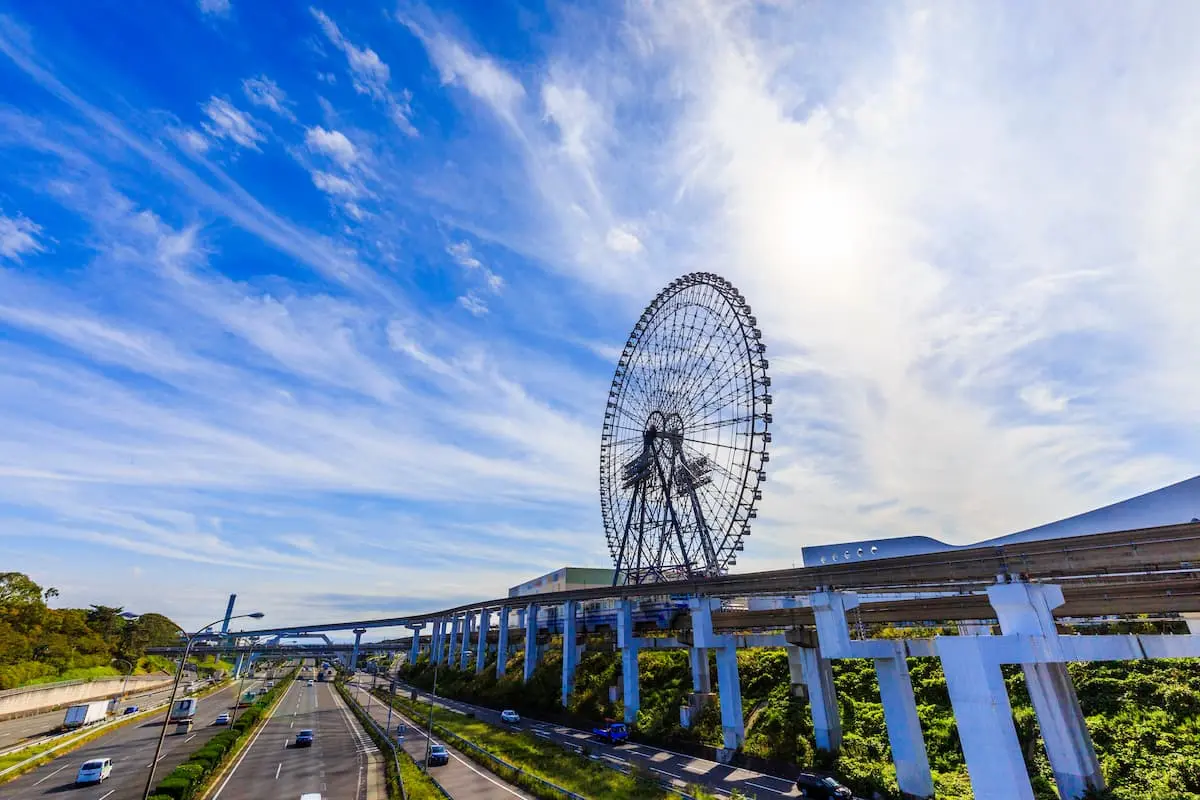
219	8
369	74
333	144
473	303
18	237
462	254
1041	399
327	77
623	241
262	91
227	122
335	184
479	75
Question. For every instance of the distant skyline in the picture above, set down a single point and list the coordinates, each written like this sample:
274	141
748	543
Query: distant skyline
319	304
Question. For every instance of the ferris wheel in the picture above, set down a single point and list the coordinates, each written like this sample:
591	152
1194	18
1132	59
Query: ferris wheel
683	451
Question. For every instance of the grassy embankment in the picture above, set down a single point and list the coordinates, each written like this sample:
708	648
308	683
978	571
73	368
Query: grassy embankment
417	784
1144	716
534	756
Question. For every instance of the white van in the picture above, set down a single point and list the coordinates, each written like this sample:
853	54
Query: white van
311	796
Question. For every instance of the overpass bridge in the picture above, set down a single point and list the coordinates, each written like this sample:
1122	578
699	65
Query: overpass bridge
1026	587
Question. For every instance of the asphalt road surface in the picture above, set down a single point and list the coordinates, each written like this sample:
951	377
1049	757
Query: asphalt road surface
462	778
131	748
335	765
665	764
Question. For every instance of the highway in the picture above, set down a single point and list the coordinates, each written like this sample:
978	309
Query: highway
462	778
130	747
336	765
665	764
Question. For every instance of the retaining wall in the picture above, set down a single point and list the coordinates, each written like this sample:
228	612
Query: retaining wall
29	700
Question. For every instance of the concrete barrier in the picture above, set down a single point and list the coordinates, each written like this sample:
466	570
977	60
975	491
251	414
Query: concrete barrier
30	700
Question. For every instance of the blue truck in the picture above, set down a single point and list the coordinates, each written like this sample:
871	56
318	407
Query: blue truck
612	732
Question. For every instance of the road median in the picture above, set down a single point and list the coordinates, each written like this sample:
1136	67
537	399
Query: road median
196	776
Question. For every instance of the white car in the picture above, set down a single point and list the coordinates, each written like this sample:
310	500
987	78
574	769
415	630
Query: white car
94	770
510	716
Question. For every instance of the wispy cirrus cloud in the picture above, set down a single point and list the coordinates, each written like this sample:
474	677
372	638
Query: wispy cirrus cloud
975	296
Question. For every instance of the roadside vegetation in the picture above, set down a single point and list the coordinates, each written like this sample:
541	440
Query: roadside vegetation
191	778
417	785
533	756
39	644
1144	716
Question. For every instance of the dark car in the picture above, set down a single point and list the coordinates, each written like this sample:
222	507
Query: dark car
822	786
130	710
438	756
304	738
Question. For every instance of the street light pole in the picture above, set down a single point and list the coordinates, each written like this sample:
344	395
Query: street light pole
125	683
241	685
175	688
429	730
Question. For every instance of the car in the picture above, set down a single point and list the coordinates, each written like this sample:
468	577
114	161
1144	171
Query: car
311	796
310	683
810	784
438	755
304	738
510	716
130	710
94	770
222	719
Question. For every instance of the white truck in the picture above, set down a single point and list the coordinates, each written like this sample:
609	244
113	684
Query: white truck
85	714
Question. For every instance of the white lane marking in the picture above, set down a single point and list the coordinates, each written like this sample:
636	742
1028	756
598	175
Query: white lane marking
285	743
661	772
52	774
110	791
242	757
193	736
277	770
760	786
293	722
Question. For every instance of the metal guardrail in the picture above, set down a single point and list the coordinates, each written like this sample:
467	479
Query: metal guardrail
466	744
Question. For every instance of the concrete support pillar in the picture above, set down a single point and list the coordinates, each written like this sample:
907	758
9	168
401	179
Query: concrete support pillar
570	650
358	632
1027	610
698	660
455	625
237	670
531	648
984	717
903	725
733	725
465	647
1064	730
502	643
817	674
481	641
415	650
435	641
630	686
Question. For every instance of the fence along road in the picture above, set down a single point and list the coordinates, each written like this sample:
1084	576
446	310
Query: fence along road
462	778
130	747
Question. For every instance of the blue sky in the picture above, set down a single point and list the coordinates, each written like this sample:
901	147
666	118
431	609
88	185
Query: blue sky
319	304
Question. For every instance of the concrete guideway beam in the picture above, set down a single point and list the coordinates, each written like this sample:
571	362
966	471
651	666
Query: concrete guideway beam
502	643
